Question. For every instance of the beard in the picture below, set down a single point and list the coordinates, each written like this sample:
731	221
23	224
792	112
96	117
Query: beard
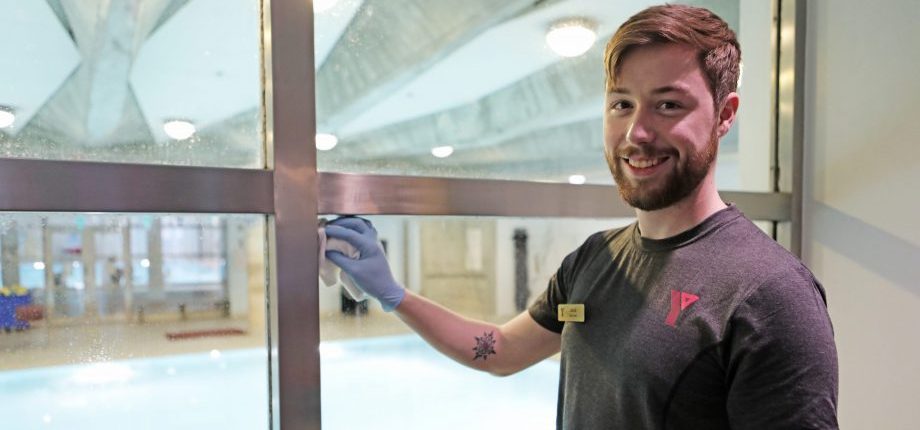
677	184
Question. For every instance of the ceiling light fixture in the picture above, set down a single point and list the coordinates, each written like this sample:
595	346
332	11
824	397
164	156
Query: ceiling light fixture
179	129
571	37
326	141
7	117
442	151
577	179
323	5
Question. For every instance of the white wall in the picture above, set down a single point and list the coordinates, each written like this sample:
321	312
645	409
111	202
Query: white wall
238	257
862	211
548	242
752	168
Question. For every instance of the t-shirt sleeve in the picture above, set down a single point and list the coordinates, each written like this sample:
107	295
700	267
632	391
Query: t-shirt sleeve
782	368
544	309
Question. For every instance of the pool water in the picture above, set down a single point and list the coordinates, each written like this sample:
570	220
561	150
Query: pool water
384	383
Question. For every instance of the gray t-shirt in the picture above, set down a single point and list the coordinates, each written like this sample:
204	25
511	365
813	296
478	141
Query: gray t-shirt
718	327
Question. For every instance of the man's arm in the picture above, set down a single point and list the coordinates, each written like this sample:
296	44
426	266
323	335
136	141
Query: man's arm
500	350
783	359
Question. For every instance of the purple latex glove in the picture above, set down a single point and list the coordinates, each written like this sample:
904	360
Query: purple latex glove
370	270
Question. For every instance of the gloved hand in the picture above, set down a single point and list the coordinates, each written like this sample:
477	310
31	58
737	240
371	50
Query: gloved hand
370	271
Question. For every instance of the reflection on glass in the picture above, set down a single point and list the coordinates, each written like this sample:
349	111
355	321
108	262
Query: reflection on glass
485	268
110	319
398	88
166	82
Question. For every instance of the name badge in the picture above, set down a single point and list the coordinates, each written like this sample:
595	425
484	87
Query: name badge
571	313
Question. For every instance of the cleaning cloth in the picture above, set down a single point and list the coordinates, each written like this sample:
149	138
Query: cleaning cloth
331	275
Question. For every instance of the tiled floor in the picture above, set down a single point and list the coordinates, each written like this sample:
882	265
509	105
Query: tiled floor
93	341
48	345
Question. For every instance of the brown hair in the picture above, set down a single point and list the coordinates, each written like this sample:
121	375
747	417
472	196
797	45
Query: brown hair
719	54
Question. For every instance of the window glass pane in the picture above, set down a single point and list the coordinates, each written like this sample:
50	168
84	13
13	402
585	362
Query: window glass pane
87	346
164	82
481	81
371	361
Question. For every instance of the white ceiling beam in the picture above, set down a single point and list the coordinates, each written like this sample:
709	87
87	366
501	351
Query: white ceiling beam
390	42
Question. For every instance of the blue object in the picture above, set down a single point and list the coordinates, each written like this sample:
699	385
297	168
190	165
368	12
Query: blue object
370	270
8	305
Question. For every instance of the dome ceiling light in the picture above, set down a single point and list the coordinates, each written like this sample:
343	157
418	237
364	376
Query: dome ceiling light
442	151
179	129
7	117
326	141
577	179
571	37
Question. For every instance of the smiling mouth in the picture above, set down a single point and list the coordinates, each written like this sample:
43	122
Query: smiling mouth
644	163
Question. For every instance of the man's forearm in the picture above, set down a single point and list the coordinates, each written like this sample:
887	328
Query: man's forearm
477	344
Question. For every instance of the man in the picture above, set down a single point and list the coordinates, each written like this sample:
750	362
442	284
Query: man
691	317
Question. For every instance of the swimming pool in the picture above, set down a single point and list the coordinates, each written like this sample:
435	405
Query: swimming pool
383	383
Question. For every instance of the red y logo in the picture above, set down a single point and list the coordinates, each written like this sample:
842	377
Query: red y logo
679	301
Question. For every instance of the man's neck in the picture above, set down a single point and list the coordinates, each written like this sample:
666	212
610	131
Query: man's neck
683	215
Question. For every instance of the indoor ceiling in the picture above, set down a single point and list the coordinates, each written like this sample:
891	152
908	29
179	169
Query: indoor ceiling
394	78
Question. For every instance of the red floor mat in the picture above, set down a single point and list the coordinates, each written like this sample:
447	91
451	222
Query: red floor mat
193	334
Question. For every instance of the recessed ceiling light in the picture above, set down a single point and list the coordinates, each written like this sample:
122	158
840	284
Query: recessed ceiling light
571	37
326	141
577	179
7	118
323	5
442	151
179	129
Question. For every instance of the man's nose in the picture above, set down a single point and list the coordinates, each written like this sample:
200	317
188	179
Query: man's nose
640	128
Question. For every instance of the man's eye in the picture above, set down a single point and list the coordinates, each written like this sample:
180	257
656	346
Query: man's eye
668	106
620	105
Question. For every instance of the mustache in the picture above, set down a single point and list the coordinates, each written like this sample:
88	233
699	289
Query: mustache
645	152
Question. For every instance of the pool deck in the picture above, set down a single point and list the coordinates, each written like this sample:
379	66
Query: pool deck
75	342
96	340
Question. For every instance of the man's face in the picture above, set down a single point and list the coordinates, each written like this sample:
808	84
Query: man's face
661	130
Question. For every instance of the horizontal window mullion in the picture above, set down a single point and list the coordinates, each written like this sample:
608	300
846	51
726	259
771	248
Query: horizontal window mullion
353	194
68	186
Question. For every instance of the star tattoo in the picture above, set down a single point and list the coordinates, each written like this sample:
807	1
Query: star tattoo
485	346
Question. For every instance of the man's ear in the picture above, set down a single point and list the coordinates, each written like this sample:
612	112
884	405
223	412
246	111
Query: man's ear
727	112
